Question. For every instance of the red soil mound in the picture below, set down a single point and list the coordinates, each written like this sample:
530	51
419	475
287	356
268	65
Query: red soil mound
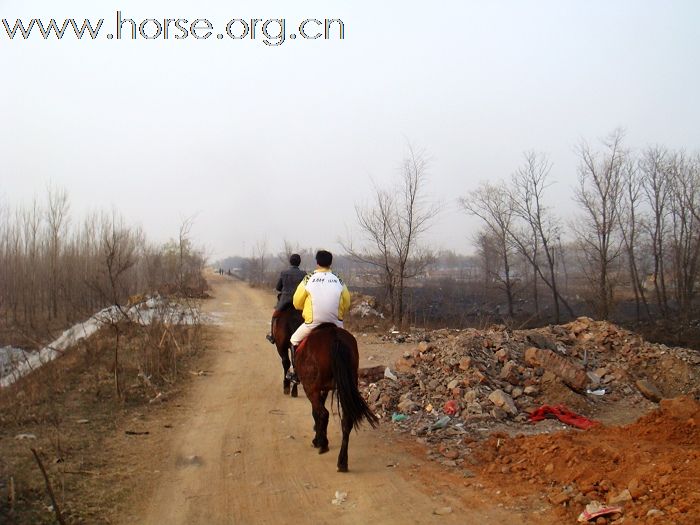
649	467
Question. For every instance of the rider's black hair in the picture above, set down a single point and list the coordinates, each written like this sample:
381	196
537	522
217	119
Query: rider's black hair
324	258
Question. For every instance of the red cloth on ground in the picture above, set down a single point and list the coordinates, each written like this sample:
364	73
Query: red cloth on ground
564	415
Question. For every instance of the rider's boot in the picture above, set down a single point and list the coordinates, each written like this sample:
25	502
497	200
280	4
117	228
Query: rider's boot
292	375
270	337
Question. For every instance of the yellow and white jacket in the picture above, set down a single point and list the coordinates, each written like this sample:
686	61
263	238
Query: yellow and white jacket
322	297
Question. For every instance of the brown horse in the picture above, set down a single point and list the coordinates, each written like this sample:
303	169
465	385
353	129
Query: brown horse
285	325
327	361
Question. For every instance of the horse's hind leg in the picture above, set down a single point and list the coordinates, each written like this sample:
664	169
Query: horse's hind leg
343	455
318	409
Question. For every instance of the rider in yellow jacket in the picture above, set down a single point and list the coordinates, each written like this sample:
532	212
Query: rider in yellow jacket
322	297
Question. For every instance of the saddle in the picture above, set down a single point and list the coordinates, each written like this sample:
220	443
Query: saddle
323	326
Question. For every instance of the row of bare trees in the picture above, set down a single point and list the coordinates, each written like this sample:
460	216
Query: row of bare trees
633	233
57	270
637	229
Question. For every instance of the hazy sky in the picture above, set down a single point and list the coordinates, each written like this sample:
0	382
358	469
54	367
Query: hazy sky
273	143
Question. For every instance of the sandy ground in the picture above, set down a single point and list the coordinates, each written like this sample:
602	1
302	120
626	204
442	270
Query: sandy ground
236	450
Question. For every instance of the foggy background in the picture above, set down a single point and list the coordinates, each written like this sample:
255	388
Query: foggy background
280	143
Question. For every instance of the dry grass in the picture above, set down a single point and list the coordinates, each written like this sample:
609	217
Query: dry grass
71	407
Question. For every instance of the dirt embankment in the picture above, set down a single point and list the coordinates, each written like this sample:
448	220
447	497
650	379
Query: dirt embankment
651	467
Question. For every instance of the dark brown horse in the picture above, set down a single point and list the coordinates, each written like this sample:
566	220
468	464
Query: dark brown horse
327	361
285	325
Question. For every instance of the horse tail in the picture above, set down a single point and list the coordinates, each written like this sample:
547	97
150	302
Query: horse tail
354	406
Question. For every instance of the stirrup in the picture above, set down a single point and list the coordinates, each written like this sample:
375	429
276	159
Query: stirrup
270	338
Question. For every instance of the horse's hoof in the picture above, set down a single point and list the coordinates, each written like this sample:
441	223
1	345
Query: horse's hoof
323	450
342	468
314	443
294	391
286	390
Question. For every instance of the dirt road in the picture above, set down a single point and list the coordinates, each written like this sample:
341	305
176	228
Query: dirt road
241	452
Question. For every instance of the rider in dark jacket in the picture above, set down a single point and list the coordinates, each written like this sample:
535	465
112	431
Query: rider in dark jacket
286	286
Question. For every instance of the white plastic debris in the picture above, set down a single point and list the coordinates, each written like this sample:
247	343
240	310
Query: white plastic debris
389	374
340	497
599	392
15	363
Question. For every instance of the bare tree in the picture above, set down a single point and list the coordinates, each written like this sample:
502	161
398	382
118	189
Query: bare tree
119	245
655	178
599	192
685	229
258	263
184	247
493	204
287	250
392	227
630	223
543	230
57	217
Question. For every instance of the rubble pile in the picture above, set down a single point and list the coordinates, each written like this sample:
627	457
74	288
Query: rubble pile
456	387
364	306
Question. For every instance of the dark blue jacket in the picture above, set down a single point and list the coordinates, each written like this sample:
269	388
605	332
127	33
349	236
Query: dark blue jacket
287	285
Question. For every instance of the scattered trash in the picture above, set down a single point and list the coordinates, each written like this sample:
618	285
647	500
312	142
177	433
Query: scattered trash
82	421
442	511
340	497
398	417
25	436
596	508
598	392
389	374
158	397
440	423
154	309
136	432
564	415
450	408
